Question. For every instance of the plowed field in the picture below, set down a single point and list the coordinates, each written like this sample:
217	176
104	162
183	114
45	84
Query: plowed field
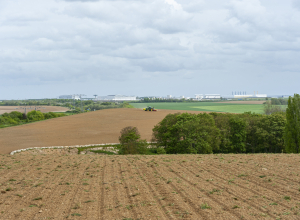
150	187
97	127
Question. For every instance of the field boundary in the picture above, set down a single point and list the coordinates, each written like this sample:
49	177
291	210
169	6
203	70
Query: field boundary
61	147
65	147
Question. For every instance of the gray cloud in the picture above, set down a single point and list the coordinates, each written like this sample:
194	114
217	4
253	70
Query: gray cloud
108	46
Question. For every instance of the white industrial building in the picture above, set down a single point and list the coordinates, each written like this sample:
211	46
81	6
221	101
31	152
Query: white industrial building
207	96
250	96
76	97
116	98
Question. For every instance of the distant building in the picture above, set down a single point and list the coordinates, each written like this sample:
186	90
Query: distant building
116	98
199	96
250	96
212	96
76	97
169	96
207	96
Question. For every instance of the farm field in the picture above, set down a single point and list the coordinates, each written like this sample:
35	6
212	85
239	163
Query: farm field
261	186
44	109
98	127
230	107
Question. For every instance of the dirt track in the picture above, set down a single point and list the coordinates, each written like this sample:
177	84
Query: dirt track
43	109
97	127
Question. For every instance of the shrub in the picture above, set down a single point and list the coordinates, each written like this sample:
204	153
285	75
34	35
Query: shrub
131	143
35	116
160	150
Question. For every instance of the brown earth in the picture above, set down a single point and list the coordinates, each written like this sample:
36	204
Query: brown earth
245	102
44	109
96	127
261	186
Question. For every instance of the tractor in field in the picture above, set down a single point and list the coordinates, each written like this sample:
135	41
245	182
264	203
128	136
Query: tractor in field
149	108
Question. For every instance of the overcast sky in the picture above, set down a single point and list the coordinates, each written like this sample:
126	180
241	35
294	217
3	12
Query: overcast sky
148	47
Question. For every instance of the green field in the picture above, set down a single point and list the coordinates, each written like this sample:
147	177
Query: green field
204	106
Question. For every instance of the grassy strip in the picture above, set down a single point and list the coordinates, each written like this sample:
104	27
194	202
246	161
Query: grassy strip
102	152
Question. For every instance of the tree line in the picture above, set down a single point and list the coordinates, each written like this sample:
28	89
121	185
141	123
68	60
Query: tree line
186	133
18	118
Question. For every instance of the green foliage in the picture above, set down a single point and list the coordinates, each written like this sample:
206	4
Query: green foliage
279	101
270	108
187	133
35	116
238	134
131	143
18	118
161	150
102	152
292	128
126	105
221	133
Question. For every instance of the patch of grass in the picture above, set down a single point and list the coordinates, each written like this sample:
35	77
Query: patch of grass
12	180
287	198
213	191
262	176
273	203
102	152
230	181
76	214
38	198
205	206
77	206
235	207
89	201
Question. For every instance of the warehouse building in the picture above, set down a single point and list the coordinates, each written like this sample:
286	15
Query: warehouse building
76	97
116	98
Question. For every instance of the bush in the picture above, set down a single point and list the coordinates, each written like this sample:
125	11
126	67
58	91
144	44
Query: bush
161	151
131	143
35	116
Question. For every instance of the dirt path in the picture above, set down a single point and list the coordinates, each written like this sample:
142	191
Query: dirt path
97	127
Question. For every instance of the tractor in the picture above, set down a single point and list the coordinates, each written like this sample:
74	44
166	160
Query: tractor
149	108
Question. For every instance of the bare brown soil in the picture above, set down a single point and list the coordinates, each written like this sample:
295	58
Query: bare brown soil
245	102
213	187
44	109
97	127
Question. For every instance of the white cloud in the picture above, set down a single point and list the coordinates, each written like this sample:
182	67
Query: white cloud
174	4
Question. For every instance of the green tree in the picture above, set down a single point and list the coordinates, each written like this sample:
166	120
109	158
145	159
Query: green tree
270	108
238	134
131	143
292	128
35	116
187	133
222	123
